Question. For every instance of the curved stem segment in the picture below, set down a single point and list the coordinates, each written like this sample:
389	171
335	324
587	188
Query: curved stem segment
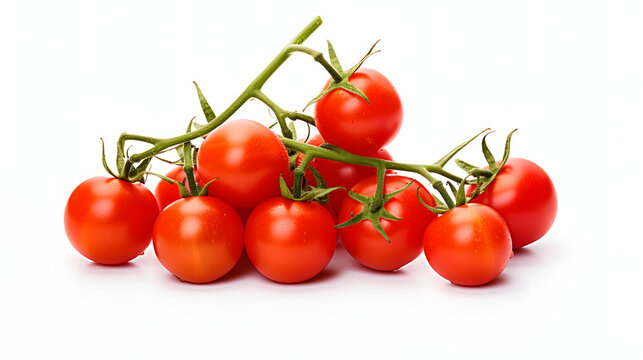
311	152
252	90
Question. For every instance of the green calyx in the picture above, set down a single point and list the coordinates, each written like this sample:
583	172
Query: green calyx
193	188
343	83
317	193
374	210
482	178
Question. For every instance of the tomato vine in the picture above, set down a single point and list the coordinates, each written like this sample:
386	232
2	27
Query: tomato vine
133	168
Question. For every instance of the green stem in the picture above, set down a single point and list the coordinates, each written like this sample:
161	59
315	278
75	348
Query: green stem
378	200
319	57
346	157
298	173
279	112
160	144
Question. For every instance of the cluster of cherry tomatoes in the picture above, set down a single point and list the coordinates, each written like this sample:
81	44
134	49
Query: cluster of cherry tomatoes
200	238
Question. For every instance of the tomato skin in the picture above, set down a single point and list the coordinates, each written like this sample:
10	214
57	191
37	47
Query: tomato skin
366	245
350	122
290	241
524	195
470	245
109	220
346	175
248	158
198	239
166	193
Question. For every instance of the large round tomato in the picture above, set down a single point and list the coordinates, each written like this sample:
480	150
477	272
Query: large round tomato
346	175
524	195
469	245
198	239
366	245
350	122
167	193
109	220
248	158
290	241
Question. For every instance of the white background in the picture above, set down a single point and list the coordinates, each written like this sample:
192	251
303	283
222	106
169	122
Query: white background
568	74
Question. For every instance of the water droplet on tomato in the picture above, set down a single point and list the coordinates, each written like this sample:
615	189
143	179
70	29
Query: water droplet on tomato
142	253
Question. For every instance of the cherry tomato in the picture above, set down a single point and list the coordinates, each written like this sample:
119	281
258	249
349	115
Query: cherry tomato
198	239
469	245
350	122
167	193
366	245
247	158
109	220
524	195
290	241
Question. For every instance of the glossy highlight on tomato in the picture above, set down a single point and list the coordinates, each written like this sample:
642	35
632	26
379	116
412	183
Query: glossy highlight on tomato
109	220
247	158
290	241
350	122
198	239
524	195
366	245
469	245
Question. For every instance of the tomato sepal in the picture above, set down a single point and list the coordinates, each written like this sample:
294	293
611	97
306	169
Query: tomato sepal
207	110
371	213
344	83
317	194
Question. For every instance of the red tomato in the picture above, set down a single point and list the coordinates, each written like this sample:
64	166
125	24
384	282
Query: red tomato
167	193
524	195
366	245
198	239
109	220
348	121
247	158
469	245
346	175
290	241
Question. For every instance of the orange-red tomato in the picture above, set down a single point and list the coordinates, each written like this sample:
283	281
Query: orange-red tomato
469	245
290	241
366	245
350	122
247	158
198	239
524	195
109	220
